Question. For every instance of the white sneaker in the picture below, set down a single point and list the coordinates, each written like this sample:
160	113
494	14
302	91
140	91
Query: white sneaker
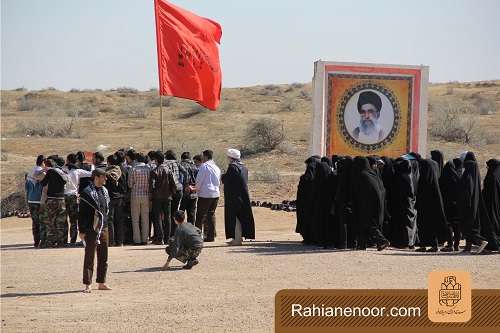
234	243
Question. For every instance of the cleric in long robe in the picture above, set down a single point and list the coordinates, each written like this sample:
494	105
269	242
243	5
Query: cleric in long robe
238	216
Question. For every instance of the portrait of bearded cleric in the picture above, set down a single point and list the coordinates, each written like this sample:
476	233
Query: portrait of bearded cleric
369	117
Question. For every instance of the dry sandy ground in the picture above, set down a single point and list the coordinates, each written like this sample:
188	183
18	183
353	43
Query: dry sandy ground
231	290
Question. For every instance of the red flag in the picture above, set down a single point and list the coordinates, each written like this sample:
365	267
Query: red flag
188	55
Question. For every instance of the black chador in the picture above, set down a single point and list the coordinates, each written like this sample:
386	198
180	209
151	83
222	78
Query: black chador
368	199
437	156
449	185
431	219
305	200
471	206
343	206
387	175
404	214
356	168
470	156
491	196
324	195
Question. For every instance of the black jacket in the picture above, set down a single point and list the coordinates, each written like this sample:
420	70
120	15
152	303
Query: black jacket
55	180
89	202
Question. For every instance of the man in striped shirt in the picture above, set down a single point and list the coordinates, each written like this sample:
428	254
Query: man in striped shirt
138	181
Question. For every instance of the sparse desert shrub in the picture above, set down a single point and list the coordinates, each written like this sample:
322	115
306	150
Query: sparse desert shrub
481	137
265	173
166	101
287	148
74	90
263	135
454	122
126	90
193	111
226	106
59	129
134	110
297	85
288	105
31	102
89	100
484	105
106	109
305	95
21	89
82	111
270	90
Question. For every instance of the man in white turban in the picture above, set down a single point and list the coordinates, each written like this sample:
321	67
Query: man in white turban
238	216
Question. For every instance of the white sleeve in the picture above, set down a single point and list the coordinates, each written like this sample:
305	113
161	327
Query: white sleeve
83	173
200	177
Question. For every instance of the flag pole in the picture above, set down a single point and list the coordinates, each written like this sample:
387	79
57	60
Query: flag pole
161	122
155	3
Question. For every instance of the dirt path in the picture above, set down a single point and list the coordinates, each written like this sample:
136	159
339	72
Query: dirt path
232	290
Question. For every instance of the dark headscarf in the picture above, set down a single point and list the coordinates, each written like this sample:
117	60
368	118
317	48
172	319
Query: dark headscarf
387	172
416	155
335	160
327	161
469	156
311	165
437	156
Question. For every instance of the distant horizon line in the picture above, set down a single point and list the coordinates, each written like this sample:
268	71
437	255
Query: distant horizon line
52	88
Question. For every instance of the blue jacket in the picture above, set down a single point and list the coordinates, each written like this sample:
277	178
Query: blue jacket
33	190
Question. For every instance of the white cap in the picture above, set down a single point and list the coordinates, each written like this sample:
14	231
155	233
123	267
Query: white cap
233	153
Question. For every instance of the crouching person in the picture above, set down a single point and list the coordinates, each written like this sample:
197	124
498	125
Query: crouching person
186	244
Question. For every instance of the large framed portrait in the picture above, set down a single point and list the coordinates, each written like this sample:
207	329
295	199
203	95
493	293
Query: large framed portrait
364	109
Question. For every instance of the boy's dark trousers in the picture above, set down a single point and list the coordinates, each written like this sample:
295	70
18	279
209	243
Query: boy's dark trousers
188	204
71	202
91	247
162	226
116	220
205	217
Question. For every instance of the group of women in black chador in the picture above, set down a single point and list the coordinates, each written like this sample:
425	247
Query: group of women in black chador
409	202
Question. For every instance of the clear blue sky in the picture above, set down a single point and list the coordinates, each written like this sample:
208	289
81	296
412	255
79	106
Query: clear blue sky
110	43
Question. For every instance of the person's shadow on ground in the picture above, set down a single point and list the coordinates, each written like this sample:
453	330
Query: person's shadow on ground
48	293
150	269
280	248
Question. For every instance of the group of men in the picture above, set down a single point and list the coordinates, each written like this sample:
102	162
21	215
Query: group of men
409	202
124	198
144	191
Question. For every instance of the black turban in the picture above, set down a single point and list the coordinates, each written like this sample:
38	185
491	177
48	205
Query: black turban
369	97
